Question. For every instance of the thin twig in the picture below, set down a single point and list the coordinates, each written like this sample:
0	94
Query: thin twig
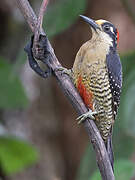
41	13
69	89
38	28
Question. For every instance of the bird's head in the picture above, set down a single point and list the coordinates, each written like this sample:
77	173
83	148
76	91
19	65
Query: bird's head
103	30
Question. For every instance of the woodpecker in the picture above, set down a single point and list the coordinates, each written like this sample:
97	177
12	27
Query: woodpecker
97	75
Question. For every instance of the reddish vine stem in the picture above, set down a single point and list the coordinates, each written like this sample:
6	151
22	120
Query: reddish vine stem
69	89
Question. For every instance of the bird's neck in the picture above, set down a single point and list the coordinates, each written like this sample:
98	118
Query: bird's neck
103	43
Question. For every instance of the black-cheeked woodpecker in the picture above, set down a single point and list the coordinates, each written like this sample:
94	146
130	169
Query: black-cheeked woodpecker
97	74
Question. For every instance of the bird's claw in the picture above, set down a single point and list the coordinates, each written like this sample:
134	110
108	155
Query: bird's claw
83	117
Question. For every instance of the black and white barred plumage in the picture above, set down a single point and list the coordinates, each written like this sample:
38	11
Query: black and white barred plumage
115	78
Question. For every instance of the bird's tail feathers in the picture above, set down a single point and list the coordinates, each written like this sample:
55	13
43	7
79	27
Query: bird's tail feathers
109	148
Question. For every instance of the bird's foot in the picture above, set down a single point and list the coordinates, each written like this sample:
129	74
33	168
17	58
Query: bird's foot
64	71
89	114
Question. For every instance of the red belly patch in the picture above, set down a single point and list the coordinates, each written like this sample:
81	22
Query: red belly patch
86	95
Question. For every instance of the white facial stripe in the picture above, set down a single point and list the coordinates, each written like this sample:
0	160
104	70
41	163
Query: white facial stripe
111	28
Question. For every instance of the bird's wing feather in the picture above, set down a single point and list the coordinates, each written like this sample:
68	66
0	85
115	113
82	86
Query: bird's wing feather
115	78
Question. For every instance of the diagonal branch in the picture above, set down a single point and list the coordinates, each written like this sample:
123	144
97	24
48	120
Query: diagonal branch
70	91
28	13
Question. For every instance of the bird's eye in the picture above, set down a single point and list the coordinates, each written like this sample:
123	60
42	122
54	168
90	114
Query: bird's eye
106	28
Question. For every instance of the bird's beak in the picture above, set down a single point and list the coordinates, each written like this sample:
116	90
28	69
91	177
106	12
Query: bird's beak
92	23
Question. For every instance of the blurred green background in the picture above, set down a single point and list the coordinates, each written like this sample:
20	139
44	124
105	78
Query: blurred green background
39	137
